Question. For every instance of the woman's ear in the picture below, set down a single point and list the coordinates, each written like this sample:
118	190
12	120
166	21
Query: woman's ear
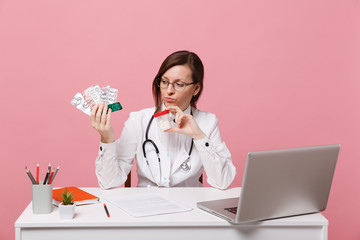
197	90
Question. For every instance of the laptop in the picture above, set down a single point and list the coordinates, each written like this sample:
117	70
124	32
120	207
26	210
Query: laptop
280	183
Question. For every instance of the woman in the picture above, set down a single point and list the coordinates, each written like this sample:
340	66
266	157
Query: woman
192	145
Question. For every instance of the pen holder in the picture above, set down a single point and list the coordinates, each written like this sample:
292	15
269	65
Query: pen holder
42	198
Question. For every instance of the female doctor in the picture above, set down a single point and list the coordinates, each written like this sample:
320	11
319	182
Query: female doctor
171	158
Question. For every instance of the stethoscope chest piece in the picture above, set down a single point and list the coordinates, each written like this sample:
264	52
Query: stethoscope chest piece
185	166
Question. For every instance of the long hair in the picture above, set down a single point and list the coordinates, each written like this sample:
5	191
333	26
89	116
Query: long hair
180	58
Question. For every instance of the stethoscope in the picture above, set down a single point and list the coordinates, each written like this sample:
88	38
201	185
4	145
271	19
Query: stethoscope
185	166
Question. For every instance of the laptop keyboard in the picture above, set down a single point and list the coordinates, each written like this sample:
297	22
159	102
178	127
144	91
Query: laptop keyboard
231	209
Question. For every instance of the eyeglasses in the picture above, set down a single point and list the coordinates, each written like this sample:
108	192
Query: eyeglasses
178	85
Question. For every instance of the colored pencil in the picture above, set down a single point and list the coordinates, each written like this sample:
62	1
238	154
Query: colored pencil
37	173
51	175
30	175
106	210
46	177
57	169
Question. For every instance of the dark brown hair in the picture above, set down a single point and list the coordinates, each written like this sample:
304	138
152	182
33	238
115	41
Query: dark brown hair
180	58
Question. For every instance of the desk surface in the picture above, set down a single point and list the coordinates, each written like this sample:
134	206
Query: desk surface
93	215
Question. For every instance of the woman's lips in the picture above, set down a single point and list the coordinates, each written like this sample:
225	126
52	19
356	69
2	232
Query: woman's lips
169	100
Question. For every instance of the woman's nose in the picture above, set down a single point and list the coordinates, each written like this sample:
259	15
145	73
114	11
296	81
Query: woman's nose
170	88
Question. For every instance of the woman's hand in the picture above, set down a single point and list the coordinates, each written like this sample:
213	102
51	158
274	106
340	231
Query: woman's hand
102	122
186	124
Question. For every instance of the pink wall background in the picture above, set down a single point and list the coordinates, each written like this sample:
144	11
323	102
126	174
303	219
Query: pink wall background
278	74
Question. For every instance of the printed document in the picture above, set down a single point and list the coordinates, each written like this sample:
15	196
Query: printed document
148	204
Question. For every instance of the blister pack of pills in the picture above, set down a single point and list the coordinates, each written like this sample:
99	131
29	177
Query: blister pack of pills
85	100
108	95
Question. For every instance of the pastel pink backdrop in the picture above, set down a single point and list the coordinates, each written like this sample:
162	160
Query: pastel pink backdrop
278	74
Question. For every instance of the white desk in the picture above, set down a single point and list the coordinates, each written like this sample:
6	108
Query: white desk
90	221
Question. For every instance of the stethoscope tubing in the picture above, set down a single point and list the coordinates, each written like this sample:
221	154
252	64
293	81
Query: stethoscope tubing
147	140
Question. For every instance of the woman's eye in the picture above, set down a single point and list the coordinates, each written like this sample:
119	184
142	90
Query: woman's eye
179	84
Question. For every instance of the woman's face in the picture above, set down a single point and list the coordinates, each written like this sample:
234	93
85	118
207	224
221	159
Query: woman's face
171	97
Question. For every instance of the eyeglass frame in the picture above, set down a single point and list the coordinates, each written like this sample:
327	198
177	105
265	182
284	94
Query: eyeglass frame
159	79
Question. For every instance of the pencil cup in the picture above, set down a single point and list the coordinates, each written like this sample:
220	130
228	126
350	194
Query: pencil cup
41	198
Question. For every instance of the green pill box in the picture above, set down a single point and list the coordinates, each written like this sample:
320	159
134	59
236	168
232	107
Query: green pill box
115	106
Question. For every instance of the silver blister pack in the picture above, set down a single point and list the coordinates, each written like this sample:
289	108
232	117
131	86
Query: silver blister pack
109	95
94	95
79	102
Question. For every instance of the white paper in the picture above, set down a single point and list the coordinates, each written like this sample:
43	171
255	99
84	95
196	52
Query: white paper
148	204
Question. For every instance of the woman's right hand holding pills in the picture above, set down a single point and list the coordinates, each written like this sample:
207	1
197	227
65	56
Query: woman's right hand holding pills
101	122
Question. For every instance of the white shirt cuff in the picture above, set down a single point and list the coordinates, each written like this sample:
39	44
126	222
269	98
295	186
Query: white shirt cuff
203	144
107	148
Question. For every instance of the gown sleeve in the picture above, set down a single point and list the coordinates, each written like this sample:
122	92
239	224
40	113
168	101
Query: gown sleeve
215	156
115	160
